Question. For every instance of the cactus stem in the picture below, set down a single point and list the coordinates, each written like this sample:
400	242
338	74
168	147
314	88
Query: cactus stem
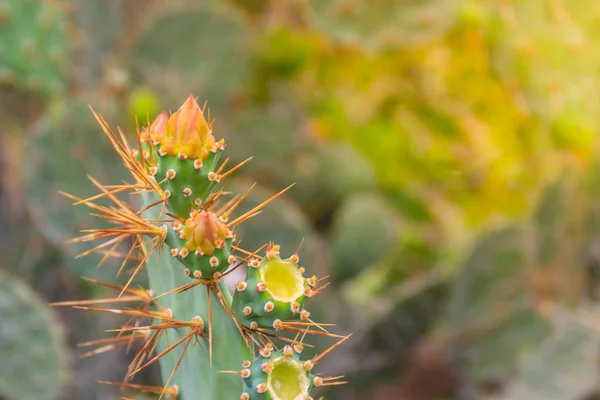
210	347
185	347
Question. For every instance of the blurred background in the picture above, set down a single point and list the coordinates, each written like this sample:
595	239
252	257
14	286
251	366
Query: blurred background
445	154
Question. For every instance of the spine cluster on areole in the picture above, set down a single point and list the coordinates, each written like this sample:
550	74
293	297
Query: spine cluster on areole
177	159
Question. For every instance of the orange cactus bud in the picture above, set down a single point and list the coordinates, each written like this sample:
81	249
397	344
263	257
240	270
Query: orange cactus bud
203	231
185	134
156	130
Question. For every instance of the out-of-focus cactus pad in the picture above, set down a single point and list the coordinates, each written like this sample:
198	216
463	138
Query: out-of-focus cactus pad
33	46
490	297
202	50
364	229
31	347
65	142
563	366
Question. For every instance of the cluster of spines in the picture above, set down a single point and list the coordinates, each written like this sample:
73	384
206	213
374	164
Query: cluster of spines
200	236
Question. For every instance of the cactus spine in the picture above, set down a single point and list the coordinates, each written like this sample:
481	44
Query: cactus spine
183	236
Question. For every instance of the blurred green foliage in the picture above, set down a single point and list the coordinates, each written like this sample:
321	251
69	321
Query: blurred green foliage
34	356
445	154
34	47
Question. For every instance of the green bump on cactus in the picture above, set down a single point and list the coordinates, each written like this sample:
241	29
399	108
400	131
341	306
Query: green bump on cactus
273	293
204	245
31	345
182	154
277	375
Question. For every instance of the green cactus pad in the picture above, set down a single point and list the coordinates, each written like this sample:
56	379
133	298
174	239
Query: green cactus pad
191	184
278	375
33	353
203	245
274	292
33	40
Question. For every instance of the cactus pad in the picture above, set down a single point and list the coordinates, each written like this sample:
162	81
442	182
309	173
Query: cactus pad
31	346
274	292
183	154
33	39
277	375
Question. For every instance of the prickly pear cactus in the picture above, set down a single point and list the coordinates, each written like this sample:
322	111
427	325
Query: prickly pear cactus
33	46
184	237
34	364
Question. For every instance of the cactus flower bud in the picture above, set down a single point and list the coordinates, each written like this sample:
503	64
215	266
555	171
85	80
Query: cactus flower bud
204	232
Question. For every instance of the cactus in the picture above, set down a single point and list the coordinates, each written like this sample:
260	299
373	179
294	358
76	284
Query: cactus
184	237
568	355
31	345
33	47
490	303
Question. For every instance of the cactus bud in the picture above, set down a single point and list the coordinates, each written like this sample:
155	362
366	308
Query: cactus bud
205	245
184	156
